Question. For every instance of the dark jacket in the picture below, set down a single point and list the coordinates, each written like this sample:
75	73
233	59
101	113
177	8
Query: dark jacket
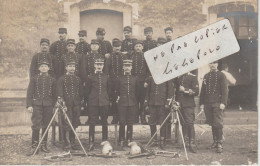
98	90
149	44
140	68
105	47
188	81
41	91
115	64
69	87
126	90
128	46
214	88
158	94
82	48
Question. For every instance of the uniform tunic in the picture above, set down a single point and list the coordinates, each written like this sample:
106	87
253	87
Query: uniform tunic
69	87
149	44
82	48
188	81
214	92
41	96
37	58
98	92
126	90
128	46
105	47
57	49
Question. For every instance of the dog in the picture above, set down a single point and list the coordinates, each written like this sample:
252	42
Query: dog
135	149
107	148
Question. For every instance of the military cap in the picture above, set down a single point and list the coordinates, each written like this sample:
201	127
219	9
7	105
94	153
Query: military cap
116	42
94	41
44	61
168	29
83	32
127	62
148	29
128	28
70	41
100	31
161	40
62	30
99	60
138	42
44	40
70	62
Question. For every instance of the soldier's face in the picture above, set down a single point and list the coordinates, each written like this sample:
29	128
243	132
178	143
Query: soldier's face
94	47
138	47
82	38
71	47
127	67
127	34
213	66
70	68
99	66
149	35
44	47
62	36
168	35
100	37
117	48
44	68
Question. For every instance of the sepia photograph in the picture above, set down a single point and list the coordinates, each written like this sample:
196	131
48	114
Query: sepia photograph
129	82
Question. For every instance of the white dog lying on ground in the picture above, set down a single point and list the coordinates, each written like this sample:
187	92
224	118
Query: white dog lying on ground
135	149
107	148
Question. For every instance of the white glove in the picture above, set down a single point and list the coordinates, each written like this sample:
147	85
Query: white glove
30	109
107	55
182	89
222	106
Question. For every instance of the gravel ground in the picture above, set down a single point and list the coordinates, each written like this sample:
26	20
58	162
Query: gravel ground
240	147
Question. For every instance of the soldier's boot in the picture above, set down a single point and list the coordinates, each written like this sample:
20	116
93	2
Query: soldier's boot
121	135
214	135
73	141
168	127
44	142
162	143
115	120
153	131
185	136
192	144
91	137
129	134
219	140
143	119
35	141
66	137
104	132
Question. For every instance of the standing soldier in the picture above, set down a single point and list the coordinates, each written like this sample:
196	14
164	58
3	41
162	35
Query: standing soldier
69	89
72	55
126	90
42	56
157	100
40	100
187	88
213	98
82	47
149	43
168	33
140	71
105	47
115	71
57	49
98	97
128	43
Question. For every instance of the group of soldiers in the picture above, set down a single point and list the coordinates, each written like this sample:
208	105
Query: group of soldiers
100	76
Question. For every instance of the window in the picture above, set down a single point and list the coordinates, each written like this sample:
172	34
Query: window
247	27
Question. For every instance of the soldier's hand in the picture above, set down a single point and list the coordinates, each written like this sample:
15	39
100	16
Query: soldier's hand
30	109
222	106
191	92
117	99
182	89
107	55
145	84
82	108
202	107
124	52
146	108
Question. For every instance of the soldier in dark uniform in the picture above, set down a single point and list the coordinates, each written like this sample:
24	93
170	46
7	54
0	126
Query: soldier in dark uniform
128	43
168	33
140	71
156	101
126	90
82	47
115	69
213	99
105	47
149	43
41	56
57	49
40	101
98	99
69	89
72	55
187	88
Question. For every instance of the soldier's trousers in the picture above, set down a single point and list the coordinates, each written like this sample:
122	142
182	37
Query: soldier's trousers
127	115
114	96
98	111
140	96
157	116
214	116
73	112
187	118
41	116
